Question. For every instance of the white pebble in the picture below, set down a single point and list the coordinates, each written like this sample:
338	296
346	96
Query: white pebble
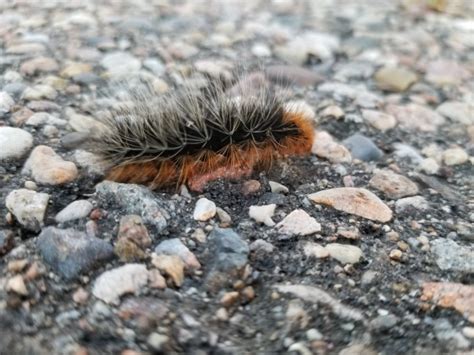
344	253
205	209
429	166
277	187
29	207
263	214
298	222
112	284
6	102
14	142
455	156
75	210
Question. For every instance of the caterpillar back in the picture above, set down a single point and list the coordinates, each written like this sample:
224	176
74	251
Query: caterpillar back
194	135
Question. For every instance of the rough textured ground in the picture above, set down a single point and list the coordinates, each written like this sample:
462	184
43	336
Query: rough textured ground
124	270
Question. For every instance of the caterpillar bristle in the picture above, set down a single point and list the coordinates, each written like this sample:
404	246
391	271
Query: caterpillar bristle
194	135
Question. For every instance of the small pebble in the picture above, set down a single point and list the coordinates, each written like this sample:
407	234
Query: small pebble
278	188
396	255
17	284
455	156
325	147
114	283
204	210
222	314
174	246
316	250
75	210
6	103
80	296
344	253
394	79
28	207
157	341
298	222
380	120
393	185
250	187
429	166
332	111
263	214
353	200
15	143
170	265
229	299
47	167
362	148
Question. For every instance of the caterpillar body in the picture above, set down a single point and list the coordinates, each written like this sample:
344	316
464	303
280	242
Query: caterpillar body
195	135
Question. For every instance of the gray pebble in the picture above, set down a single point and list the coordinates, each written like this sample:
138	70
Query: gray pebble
384	322
86	78
74	139
70	252
445	332
135	199
449	255
362	148
75	210
229	254
14	89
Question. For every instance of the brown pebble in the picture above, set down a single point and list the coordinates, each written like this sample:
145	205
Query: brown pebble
393	236
156	279
96	214
17	284
21	116
238	285
348	232
8	242
320	347
250	187
130	352
229	299
17	265
403	246
33	271
171	265
425	307
80	296
81	351
224	218
248	294
13	301
349	269
128	251
396	255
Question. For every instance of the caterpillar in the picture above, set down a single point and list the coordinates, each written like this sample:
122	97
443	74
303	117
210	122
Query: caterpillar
193	135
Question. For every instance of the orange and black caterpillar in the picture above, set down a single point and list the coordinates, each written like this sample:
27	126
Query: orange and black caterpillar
194	135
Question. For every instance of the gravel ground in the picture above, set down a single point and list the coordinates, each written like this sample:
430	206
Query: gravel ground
364	247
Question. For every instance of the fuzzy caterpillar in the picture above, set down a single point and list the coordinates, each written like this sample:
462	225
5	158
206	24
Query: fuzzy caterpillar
195	135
